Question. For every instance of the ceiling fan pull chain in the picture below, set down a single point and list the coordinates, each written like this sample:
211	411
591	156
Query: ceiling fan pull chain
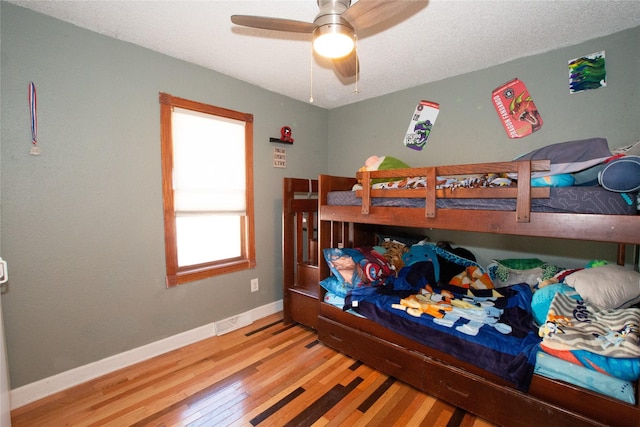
311	78
357	65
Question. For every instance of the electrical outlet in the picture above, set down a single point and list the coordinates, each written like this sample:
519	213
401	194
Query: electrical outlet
254	285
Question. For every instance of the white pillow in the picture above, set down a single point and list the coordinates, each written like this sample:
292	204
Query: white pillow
607	286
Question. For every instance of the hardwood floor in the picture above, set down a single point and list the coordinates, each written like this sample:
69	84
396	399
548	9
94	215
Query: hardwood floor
266	374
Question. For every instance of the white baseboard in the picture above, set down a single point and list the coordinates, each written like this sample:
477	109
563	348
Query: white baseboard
48	386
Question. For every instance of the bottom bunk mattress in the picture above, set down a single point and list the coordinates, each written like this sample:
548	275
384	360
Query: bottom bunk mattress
553	367
493	331
590	200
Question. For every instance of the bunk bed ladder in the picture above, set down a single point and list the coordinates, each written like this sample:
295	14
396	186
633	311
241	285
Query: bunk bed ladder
300	251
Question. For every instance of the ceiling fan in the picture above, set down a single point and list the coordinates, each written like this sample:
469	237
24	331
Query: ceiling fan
335	26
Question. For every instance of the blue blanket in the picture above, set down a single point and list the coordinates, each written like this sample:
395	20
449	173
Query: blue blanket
496	333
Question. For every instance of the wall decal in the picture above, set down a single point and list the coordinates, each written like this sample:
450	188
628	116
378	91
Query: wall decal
33	113
421	124
517	112
587	72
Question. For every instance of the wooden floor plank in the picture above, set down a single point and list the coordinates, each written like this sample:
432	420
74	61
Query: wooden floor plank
417	409
351	414
311	384
354	399
265	374
401	404
437	415
377	412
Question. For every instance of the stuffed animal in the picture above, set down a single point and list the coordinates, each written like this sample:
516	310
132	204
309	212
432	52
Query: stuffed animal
472	277
421	253
453	261
393	252
380	163
596	263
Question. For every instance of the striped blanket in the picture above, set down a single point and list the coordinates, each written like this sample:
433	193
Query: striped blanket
573	324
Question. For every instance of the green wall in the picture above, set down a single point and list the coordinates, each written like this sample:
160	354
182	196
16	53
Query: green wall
82	225
468	130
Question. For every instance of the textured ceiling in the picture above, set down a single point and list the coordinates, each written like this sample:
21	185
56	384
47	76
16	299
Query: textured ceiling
444	38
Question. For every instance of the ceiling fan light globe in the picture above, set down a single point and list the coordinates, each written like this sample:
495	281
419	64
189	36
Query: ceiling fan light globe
333	41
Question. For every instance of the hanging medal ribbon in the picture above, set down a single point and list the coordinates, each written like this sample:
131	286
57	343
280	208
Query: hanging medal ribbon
33	110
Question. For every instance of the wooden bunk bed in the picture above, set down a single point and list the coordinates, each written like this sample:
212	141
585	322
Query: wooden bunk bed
547	401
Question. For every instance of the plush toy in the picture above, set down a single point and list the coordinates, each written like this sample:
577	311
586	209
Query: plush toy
472	277
285	134
381	163
596	263
547	282
420	253
393	252
453	261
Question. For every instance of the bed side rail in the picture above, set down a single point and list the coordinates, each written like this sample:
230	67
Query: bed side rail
521	192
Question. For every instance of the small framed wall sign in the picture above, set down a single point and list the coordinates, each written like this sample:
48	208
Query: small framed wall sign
279	157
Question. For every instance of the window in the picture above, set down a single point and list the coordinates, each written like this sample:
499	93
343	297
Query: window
207	183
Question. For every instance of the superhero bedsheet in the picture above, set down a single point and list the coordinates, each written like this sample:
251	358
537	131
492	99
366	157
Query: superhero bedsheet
492	329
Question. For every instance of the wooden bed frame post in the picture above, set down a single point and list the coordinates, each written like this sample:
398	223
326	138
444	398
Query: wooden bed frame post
622	252
430	205
300	275
523	202
288	239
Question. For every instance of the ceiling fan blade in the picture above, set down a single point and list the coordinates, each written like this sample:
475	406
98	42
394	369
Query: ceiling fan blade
367	13
347	66
276	24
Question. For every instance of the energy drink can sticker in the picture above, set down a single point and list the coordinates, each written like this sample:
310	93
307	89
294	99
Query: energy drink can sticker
517	112
421	124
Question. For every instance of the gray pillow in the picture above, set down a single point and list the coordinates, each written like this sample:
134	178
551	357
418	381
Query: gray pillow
607	286
570	156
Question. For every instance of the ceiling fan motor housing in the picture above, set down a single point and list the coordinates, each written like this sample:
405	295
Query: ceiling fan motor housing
331	24
330	11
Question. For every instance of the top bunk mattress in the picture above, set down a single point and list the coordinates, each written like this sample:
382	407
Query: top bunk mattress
583	200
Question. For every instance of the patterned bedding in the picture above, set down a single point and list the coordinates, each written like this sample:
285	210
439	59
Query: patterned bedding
591	200
443	299
495	333
573	324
